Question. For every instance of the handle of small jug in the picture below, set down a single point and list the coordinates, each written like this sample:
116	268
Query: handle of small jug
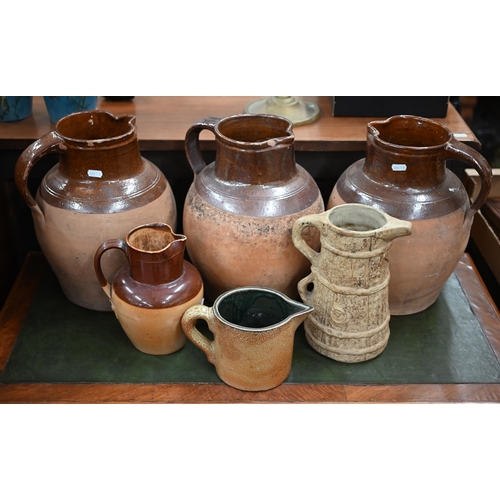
192	142
189	318
49	143
459	151
107	245
299	242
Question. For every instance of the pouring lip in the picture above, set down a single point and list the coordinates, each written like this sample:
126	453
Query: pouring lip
287	139
363	208
375	132
156	225
305	308
87	116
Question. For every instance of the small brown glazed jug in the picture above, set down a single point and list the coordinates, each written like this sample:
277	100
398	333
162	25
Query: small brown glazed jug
151	293
100	188
240	209
404	174
350	279
254	330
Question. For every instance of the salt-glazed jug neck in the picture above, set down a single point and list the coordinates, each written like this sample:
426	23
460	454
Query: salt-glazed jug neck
254	149
100	143
156	254
406	151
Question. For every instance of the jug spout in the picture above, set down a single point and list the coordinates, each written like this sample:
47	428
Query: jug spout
394	228
298	312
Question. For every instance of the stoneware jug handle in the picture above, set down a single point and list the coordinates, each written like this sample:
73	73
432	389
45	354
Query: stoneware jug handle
192	142
188	321
299	242
49	143
107	245
462	152
305	294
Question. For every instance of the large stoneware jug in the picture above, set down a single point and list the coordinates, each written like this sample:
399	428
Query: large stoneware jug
349	279
99	190
240	209
405	175
151	293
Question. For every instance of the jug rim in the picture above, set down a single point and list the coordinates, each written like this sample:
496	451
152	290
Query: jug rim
82	142
354	232
155	225
371	126
287	138
305	308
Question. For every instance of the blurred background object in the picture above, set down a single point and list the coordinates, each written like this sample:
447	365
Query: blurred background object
298	111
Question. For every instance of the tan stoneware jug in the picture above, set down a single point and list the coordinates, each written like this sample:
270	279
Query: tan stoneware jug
100	188
240	209
405	175
254	330
151	293
349	279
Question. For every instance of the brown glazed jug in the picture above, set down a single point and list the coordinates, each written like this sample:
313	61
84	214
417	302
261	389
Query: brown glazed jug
151	293
404	174
240	209
100	188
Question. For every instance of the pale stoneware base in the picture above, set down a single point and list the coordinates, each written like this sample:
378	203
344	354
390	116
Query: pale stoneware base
153	331
69	241
346	348
231	250
421	263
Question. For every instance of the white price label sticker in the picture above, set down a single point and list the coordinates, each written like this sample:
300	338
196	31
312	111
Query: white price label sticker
398	167
94	173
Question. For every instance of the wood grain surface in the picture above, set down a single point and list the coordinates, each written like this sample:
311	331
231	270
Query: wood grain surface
162	123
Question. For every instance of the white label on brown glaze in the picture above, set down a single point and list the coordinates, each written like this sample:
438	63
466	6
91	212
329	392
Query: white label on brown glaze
94	173
398	167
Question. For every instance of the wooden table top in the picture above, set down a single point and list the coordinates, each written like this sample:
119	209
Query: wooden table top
18	303
162	123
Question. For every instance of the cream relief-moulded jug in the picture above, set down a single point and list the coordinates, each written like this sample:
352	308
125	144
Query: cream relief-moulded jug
349	280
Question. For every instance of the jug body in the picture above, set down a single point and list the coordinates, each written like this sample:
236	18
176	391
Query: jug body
253	330
152	291
240	209
349	278
404	174
100	188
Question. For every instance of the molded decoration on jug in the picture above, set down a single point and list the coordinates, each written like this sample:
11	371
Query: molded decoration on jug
253	329
151	293
348	284
405	175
